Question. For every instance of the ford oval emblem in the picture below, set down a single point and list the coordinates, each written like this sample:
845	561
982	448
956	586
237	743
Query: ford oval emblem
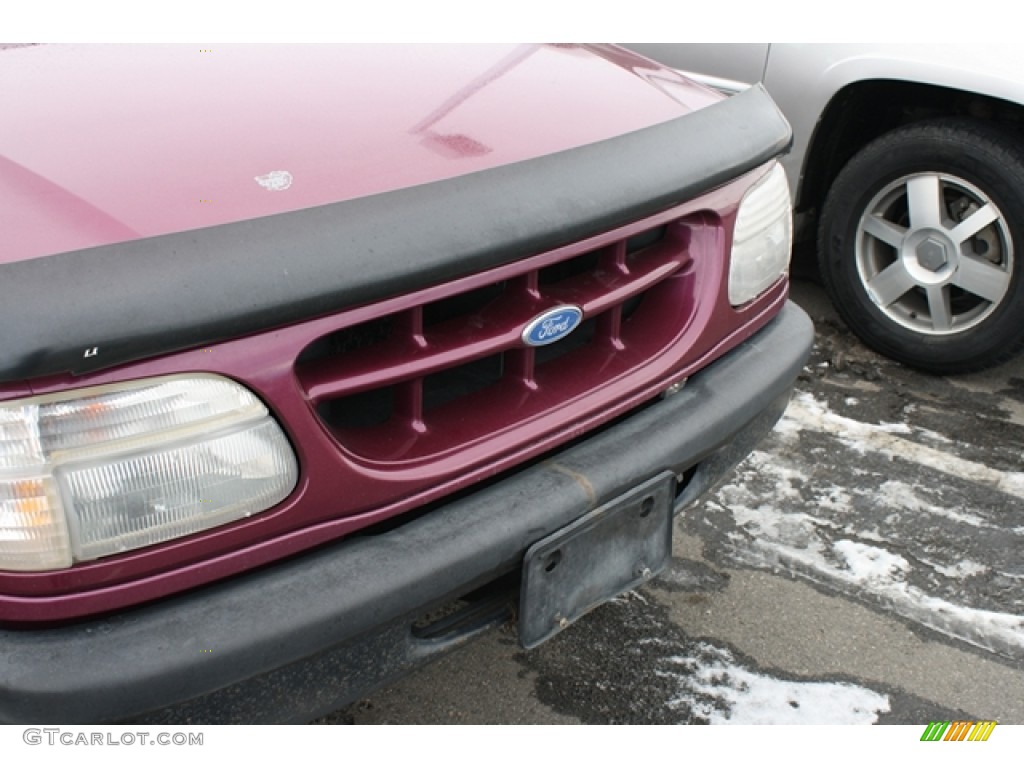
554	325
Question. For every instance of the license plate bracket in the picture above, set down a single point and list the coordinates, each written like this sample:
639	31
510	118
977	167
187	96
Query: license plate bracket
608	551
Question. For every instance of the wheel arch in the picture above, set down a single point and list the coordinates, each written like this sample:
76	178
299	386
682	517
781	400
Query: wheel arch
862	111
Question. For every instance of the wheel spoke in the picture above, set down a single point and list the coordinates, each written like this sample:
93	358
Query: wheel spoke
924	201
938	306
886	231
974	223
890	284
982	278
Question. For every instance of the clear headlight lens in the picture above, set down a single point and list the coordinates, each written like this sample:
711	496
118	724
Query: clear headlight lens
90	473
762	239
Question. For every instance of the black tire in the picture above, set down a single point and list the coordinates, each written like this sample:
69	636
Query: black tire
897	268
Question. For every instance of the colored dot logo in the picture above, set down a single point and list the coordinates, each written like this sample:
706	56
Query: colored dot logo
959	730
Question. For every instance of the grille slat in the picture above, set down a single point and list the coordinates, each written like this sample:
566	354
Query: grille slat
609	328
409	404
614	261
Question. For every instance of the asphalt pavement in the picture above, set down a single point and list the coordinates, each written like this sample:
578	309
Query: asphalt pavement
863	565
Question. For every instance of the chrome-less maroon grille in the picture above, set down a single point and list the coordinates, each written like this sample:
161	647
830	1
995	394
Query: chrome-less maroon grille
452	372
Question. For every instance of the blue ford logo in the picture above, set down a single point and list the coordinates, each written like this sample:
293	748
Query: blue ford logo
552	326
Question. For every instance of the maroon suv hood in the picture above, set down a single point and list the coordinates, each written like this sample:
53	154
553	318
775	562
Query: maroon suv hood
102	144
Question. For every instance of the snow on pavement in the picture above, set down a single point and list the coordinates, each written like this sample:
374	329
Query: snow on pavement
713	686
882	539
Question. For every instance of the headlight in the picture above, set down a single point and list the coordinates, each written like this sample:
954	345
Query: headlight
93	472
762	239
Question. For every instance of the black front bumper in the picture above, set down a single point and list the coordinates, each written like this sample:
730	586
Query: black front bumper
299	638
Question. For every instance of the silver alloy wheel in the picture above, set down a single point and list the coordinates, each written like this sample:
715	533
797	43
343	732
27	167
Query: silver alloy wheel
934	253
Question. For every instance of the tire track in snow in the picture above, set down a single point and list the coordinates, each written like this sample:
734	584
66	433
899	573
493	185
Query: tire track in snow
807	413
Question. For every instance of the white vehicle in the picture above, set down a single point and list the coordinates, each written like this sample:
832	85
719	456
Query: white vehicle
908	167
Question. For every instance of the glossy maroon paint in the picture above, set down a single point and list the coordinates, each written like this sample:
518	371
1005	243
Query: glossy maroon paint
114	143
576	97
337	493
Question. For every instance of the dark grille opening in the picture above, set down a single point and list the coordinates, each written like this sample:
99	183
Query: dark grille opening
563	270
645	239
349	340
630	306
366	409
453	383
461	304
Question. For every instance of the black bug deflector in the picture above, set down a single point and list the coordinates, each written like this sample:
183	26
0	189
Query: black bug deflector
93	309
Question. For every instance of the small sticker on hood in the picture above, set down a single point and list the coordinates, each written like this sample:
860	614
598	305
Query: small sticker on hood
275	181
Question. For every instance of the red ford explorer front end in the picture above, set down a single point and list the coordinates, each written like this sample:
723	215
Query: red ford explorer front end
299	345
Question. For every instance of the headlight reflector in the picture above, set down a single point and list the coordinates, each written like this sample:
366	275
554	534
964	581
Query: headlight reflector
762	238
90	473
